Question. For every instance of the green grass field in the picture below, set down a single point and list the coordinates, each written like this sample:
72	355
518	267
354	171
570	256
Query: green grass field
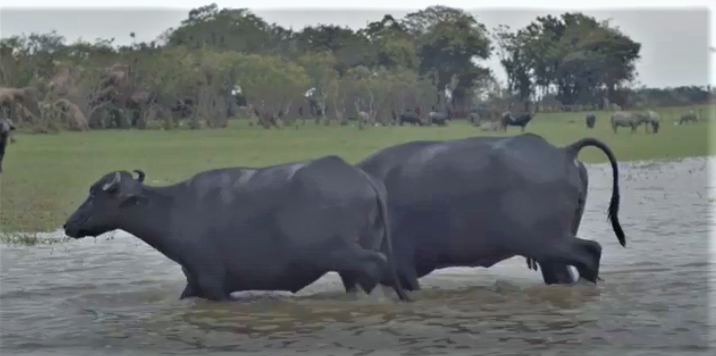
47	176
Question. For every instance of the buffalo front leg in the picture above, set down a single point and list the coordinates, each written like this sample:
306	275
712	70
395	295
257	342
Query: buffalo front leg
189	292
349	280
552	273
191	289
556	273
207	284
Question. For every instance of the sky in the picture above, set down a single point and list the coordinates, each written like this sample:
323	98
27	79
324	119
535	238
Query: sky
675	41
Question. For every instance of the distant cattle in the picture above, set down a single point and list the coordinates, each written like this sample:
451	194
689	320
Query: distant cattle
634	119
688	117
409	117
590	120
439	118
521	119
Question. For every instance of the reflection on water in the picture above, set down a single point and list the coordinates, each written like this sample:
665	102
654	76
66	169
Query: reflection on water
118	296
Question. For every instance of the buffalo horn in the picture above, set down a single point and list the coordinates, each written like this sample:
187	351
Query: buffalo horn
114	181
140	175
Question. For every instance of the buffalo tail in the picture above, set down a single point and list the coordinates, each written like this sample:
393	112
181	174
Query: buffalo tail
388	239
614	203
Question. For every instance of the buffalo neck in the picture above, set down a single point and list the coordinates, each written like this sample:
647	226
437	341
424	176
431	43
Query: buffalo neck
152	222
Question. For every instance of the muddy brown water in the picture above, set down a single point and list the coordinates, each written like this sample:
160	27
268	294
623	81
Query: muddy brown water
117	296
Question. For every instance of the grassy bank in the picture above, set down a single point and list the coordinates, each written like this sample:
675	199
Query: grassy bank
47	176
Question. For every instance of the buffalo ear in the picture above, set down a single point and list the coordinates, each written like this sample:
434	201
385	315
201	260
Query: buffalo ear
133	200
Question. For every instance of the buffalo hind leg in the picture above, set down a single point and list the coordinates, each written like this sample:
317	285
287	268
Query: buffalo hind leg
355	264
368	266
585	255
409	278
405	269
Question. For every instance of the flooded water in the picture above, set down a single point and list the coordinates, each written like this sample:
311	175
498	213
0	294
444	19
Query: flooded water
118	296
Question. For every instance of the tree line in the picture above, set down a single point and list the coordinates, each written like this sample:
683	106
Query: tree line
223	63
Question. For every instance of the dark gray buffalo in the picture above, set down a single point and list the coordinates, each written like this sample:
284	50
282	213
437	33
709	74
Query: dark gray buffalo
521	119
275	228
478	201
439	118
591	119
408	116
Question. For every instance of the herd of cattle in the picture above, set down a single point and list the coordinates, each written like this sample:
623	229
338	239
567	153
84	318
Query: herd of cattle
633	119
398	215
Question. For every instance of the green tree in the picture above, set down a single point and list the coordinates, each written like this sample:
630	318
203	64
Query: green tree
449	41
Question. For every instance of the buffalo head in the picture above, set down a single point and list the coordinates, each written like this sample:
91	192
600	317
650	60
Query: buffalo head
107	203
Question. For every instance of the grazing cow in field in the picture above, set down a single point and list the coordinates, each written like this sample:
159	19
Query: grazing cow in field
277	228
6	129
439	118
634	119
521	120
688	117
475	202
591	119
408	117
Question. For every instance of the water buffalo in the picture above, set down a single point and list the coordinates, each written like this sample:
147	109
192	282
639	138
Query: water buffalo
478	201
634	119
274	228
439	118
521	119
474	118
591	119
409	117
6	128
688	117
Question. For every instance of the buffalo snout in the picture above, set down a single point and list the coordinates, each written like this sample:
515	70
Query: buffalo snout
78	225
74	227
